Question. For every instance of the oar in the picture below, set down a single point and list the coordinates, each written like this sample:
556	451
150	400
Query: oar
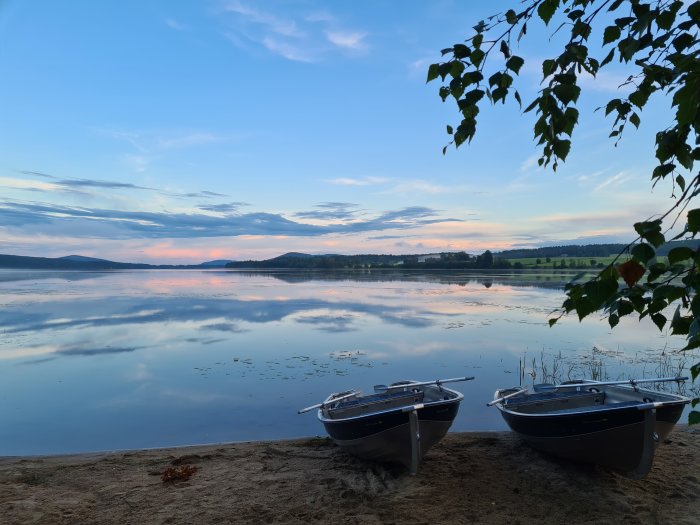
496	401
380	389
328	402
632	382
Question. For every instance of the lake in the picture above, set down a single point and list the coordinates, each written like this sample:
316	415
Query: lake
113	360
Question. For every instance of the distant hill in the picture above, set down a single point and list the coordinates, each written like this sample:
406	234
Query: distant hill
219	263
445	260
79	262
82	258
432	261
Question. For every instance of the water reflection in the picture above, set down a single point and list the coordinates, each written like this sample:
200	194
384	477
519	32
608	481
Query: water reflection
108	360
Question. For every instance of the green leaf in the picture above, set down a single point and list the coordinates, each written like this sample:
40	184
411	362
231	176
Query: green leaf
682	253
584	307
694	220
581	29
650	231
456	69
548	67
450	131
552	322
505	49
511	17
695	371
624	308
665	20
461	51
608	58
611	34
639	97
659	320
476	57
566	93
515	63
474	96
613	320
532	105
643	252
433	72
694	417
561	148
694	11
546	10
680	181
634	119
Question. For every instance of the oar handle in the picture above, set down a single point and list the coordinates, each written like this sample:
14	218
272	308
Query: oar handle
610	383
437	382
503	398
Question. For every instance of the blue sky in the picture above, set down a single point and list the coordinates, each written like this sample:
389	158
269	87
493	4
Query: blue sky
183	131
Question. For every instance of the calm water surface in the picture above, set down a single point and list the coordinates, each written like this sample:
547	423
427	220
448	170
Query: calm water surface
134	359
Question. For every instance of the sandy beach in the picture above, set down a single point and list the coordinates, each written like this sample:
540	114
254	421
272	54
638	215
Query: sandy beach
489	477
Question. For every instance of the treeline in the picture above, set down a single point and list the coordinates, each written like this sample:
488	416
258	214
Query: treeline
587	251
442	261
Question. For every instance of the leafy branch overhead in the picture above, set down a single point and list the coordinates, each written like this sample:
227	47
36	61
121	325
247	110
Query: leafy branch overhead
658	40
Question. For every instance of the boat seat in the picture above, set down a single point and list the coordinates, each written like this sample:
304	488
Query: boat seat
375	403
556	394
594	408
555	401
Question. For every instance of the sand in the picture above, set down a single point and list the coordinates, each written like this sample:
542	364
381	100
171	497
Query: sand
467	478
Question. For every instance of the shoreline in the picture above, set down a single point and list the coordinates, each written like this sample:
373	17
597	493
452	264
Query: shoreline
469	477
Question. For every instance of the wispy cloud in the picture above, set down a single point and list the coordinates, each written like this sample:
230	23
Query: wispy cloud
530	162
273	23
299	37
419	186
174	24
364	181
187	141
348	39
330	211
615	180
226	207
82	186
110	223
287	50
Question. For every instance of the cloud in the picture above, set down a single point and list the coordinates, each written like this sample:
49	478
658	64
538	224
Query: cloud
138	163
279	26
287	50
420	186
174	24
530	162
76	185
365	181
330	211
347	39
226	207
615	180
187	141
143	224
296	37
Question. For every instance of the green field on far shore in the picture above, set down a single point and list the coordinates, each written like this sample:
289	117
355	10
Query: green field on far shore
565	262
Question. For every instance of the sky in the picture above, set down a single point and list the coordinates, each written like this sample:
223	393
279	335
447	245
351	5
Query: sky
185	131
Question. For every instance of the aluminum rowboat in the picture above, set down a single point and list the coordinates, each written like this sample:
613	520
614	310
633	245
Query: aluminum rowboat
396	424
611	424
